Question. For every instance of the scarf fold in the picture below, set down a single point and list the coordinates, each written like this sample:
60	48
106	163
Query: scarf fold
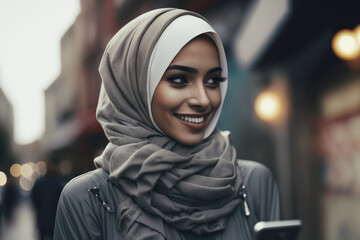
162	191
164	187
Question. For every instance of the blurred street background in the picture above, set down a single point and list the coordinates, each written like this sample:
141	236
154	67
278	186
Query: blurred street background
293	104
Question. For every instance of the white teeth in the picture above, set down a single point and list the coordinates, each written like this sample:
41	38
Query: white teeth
191	119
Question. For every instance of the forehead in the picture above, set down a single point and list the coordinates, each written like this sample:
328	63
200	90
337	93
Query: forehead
200	50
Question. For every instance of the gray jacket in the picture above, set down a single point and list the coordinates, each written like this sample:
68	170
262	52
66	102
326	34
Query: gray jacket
81	215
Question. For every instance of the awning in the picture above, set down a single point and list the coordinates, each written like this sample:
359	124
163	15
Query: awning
84	124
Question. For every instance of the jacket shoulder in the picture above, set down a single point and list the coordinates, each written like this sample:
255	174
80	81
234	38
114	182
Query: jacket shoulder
80	214
80	185
254	169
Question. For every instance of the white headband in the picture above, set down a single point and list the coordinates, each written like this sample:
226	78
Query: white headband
172	40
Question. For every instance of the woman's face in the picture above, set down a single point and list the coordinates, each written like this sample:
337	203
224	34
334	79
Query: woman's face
188	93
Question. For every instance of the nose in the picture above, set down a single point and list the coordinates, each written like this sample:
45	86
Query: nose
199	98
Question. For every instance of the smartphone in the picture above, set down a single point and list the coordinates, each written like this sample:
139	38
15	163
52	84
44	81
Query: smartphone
277	230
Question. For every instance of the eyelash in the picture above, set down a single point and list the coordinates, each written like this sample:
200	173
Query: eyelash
183	80
173	79
217	79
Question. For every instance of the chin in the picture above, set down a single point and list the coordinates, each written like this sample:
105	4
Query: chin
190	140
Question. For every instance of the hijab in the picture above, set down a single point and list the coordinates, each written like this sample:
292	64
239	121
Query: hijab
164	187
174	37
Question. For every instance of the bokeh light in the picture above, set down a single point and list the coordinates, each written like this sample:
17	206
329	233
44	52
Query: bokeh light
26	183
15	170
26	170
41	166
345	44
3	178
268	106
357	33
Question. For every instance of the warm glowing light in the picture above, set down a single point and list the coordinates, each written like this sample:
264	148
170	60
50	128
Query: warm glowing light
345	45
26	170
3	178
26	183
357	33
41	166
268	106
15	170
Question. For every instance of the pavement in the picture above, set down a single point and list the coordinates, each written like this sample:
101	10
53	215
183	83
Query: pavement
23	224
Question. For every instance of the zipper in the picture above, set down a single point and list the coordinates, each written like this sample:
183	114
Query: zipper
244	196
96	192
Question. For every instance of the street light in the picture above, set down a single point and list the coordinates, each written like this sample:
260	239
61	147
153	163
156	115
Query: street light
3	179
27	170
346	44
15	170
357	33
268	106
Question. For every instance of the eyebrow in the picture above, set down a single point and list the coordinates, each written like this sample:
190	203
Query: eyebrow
214	70
192	70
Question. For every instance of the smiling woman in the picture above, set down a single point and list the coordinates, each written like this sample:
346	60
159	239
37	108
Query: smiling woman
168	172
187	98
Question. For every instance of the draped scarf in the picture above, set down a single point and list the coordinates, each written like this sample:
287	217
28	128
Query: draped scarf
164	187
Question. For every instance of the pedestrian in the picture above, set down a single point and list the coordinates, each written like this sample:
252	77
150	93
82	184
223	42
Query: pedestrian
168	172
45	196
10	199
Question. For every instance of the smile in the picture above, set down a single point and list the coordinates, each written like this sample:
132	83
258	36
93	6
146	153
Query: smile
190	119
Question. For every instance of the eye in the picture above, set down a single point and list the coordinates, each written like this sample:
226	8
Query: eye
215	81
177	80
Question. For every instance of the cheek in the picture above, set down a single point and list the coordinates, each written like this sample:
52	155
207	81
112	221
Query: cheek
215	98
164	103
166	100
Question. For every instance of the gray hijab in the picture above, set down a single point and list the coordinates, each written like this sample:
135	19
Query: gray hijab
164	187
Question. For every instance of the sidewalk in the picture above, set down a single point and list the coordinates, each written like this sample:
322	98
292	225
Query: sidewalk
23	224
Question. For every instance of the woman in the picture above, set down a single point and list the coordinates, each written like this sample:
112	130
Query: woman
168	172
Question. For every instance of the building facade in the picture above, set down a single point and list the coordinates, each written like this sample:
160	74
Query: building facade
6	132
